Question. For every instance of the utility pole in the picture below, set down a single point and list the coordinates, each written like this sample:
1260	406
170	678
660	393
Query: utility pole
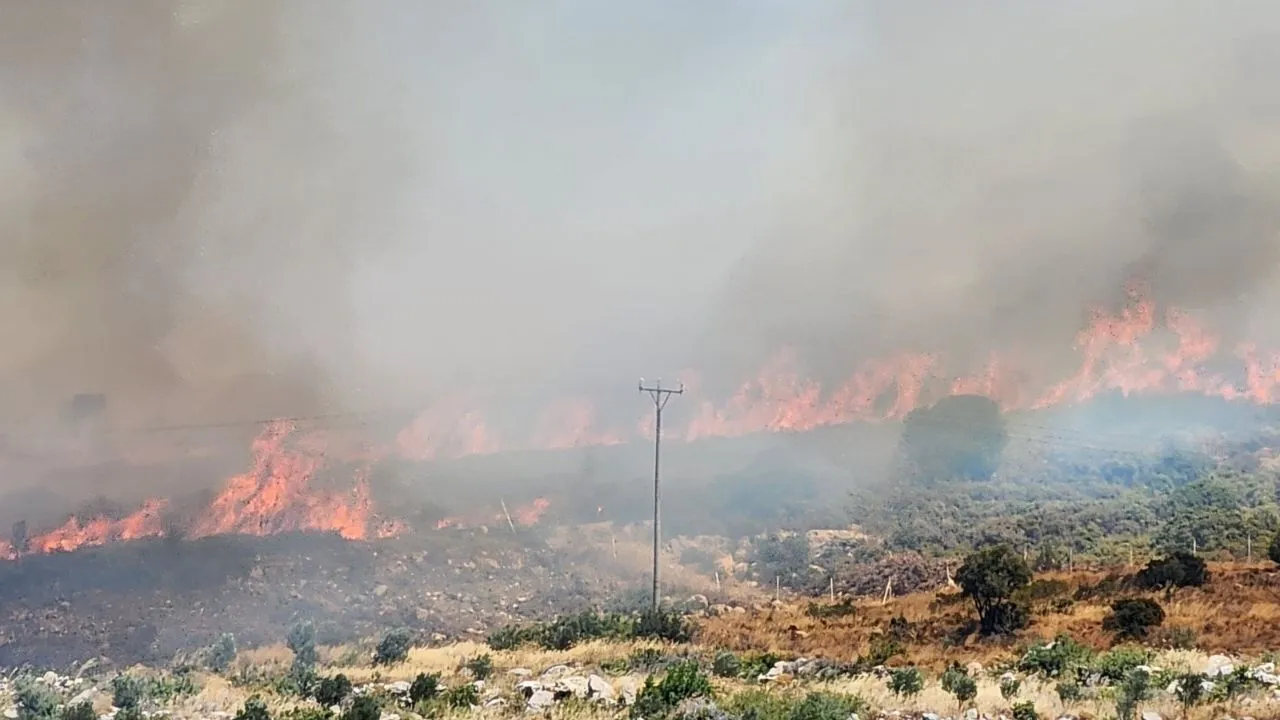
660	397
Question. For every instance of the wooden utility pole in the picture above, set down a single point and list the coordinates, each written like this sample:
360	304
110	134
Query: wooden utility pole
660	397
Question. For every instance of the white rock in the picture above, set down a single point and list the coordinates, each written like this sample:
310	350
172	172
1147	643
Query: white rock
574	685
389	716
556	671
971	714
1218	666
541	700
520	672
600	689
1151	715
929	716
478	685
495	702
399	687
11	713
529	687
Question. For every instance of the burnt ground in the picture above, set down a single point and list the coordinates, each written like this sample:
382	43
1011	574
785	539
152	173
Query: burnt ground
146	600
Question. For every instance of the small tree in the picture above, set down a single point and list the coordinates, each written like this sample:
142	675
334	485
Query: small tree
1009	687
1273	550
364	707
990	577
302	641
1180	569
1129	696
480	666
254	709
1189	690
906	682
222	653
393	648
333	690
1132	618
957	682
35	701
1025	711
424	687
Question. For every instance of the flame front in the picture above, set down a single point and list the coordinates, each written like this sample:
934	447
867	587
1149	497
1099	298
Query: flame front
1118	352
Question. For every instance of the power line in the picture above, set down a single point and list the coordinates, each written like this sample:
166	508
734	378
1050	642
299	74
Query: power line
660	397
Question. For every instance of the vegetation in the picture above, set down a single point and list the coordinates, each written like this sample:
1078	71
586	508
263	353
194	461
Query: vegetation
393	648
990	577
957	682
78	711
35	701
363	707
961	436
424	687
333	690
566	632
1133	618
682	681
222	653
1179	569
301	641
906	682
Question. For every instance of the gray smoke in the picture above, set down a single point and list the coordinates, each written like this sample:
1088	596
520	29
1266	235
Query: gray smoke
216	210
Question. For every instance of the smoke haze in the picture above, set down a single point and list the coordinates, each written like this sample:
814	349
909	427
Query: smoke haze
217	210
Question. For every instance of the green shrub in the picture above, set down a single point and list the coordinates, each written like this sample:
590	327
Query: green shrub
79	711
1132	618
1181	569
568	631
132	713
511	637
36	701
1130	694
1055	659
1118	663
756	664
393	648
1174	638
127	692
222	653
831	610
646	659
1068	692
683	681
957	682
333	690
480	666
302	641
254	709
726	664
307	713
758	705
906	682
1189	691
363	707
1025	711
461	696
663	625
1009	688
424	687
826	706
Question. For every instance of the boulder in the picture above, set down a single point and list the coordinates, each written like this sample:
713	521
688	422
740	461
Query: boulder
541	700
573	685
1151	715
599	689
529	687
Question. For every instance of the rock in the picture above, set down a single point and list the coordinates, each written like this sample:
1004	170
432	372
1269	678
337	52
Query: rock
495	702
478	685
929	716
541	700
49	678
84	696
556	671
970	714
11	713
1151	715
529	687
974	668
1218	666
718	610
699	601
389	716
399	687
628	687
599	689
572	685
520	672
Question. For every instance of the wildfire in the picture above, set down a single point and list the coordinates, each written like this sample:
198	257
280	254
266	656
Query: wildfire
1133	350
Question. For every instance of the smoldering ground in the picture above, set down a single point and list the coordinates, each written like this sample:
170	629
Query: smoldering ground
217	211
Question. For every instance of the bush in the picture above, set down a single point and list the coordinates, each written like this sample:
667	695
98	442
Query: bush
827	706
222	653
726	664
461	696
906	682
1131	618
302	641
1181	569
663	625
79	711
1119	663
1025	711
758	705
1189	691
957	682
307	713
1135	688
568	631
393	648
645	660
424	687
480	666
784	558
990	578
1068	692
1009	688
1273	550
126	692
132	713
757	664
363	707
1055	659
683	681
333	690
511	637
35	701
254	709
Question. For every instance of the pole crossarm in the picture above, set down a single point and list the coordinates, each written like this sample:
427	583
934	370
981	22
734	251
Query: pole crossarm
660	397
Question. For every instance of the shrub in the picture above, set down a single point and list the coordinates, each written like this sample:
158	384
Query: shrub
222	653
307	713
1189	691
990	577
1181	569
1119	663
333	690
461	696
1131	618
132	713
757	664
663	625
682	681
480	666
1009	688
1135	688
826	706
726	664
302	641
393	648
1273	550
1174	638
254	709
1068	692
79	711
35	701
363	707
957	682
645	659
511	637
126	692
758	705
424	687
568	631
1056	658
906	682
1025	711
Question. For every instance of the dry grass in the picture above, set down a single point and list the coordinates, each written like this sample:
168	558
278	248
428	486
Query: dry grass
1236	613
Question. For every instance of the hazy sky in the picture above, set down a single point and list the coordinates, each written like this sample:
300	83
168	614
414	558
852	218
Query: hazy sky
239	209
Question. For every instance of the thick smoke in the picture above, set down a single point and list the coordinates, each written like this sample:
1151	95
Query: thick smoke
218	210
1001	168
